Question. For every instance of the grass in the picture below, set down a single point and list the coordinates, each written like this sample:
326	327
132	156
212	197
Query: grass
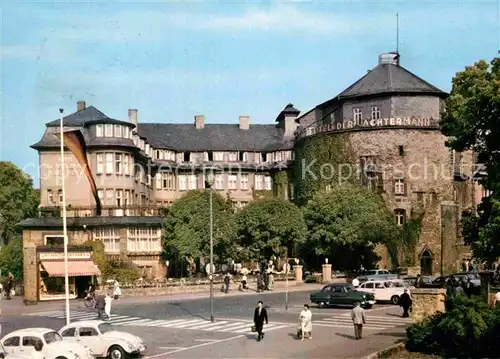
410	355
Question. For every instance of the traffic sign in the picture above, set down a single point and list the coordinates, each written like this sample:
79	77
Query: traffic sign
207	269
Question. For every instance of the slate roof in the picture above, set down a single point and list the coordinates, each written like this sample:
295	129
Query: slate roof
214	137
86	116
389	78
56	222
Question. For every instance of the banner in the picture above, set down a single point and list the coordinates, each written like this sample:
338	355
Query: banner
75	142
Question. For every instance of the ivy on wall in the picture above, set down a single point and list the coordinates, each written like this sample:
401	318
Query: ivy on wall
321	160
402	249
281	180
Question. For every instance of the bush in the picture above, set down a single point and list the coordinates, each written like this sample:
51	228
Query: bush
469	329
312	279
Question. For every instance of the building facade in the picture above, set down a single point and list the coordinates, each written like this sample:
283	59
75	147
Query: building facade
389	119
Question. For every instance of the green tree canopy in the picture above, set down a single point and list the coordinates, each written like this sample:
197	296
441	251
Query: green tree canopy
347	217
11	258
187	226
472	122
18	199
268	227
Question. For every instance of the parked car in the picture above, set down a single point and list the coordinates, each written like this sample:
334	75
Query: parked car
383	291
377	274
410	281
341	295
22	342
103	339
5	355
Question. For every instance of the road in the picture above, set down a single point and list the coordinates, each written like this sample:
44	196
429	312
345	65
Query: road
182	328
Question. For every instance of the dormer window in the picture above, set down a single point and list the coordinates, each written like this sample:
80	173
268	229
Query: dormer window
118	131
108	130
243	156
233	156
99	132
126	132
187	157
219	156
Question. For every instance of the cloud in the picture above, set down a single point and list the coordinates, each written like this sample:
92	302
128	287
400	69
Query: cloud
19	52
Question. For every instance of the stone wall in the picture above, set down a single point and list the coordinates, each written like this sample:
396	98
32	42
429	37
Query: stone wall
426	302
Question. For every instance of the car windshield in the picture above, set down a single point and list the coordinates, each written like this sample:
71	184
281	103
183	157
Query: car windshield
372	272
52	337
105	328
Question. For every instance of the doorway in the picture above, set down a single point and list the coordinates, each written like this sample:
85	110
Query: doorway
426	263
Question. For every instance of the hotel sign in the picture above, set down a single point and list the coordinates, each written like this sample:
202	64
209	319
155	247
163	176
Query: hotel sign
60	255
411	122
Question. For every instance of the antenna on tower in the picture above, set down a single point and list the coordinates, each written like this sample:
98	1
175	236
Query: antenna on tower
397	33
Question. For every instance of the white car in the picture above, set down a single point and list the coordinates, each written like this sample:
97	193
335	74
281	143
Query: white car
22	343
103	339
5	355
384	291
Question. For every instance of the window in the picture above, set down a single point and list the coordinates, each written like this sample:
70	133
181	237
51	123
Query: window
370	285
379	286
232	181
159	181
126	132
187	157
99	131
375	113
144	239
108	130
192	183
291	191
219	156
118	163
126	164
209	156
70	332
88	332
50	197
60	195
200	181
126	201
357	114
259	182
119	197
109	197
244	182
31	341
54	240
100	163
233	156
268	183
399	187
110	237
243	156
219	181
100	194
12	342
118	131
328	188
182	182
400	216
257	157
109	163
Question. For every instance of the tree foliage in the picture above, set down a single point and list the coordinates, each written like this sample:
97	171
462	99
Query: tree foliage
18	199
347	216
268	227
471	121
11	258
187	226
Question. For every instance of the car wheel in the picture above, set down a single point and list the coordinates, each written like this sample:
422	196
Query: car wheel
116	352
322	304
395	299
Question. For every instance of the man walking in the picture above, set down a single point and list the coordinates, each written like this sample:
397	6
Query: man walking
358	319
405	302
100	305
259	316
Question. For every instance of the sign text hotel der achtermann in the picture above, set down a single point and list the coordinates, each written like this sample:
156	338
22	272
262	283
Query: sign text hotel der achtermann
381	122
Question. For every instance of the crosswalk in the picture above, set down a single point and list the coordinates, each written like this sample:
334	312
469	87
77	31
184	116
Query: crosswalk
372	322
222	325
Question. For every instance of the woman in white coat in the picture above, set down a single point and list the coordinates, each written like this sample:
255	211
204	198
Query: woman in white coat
107	306
306	322
117	291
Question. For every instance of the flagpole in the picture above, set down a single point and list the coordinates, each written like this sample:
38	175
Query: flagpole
65	226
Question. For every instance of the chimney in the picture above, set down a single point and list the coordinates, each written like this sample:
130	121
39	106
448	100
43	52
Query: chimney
199	121
244	122
389	58
132	116
80	105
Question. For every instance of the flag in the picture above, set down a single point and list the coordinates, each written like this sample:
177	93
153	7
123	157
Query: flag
75	142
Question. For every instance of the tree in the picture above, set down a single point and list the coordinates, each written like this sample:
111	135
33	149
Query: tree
187	227
268	227
471	121
345	224
11	258
18	199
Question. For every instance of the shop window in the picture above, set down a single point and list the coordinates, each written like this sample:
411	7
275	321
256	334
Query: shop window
54	240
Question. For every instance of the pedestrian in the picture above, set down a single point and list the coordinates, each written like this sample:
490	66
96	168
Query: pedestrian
405	302
37	354
227	280
306	322
259	317
270	280
107	305
419	282
100	304
260	283
117	292
8	286
355	282
496	300
244	281
358	319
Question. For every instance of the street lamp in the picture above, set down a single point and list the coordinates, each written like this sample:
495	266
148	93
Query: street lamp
210	179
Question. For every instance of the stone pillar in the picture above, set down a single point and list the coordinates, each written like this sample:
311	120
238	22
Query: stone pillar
327	273
298	273
31	280
426	302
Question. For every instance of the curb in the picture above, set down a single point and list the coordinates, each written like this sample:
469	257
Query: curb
384	353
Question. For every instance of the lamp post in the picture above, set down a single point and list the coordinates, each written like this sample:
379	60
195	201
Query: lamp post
65	227
286	280
210	181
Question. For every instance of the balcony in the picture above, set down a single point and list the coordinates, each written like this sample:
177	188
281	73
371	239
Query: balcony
106	211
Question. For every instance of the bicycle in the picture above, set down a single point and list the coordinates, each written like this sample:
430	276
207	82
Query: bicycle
90	300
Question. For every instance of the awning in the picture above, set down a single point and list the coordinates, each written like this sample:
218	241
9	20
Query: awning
75	268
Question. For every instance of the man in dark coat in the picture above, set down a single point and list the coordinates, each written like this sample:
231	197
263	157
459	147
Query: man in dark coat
405	302
100	303
259	316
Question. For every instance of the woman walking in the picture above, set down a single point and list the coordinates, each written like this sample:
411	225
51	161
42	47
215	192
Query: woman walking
107	306
306	322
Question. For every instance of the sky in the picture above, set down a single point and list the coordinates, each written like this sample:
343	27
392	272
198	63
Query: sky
221	59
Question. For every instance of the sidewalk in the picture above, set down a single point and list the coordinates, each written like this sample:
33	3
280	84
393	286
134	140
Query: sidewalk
15	306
